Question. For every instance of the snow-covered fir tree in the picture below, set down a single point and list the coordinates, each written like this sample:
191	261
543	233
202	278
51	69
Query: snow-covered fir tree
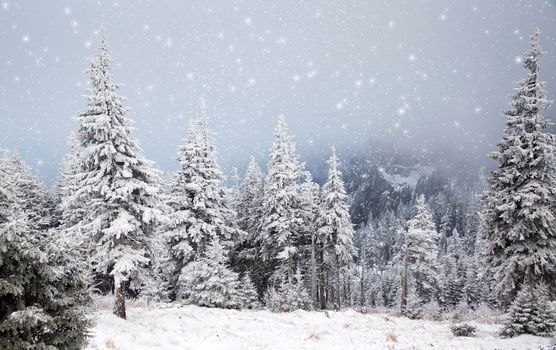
473	291
519	214
287	293
531	312
32	194
199	206
281	209
71	209
234	190
419	256
454	271
250	200
208	281
119	185
248	297
335	231
43	293
249	215
380	241
389	286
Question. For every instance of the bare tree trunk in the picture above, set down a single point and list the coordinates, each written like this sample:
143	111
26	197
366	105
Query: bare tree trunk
348	277
327	289
322	283
313	272
374	295
119	301
362	285
403	285
338	291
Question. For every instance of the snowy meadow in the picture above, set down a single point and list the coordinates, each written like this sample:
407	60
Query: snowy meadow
192	327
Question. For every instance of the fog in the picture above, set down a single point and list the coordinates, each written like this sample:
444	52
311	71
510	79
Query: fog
427	78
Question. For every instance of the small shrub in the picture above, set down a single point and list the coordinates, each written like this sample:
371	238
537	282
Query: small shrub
273	300
431	311
391	337
463	330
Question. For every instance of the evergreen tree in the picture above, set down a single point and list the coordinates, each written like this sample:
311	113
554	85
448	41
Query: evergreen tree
454	270
249	215
390	286
420	253
335	227
199	204
234	191
250	200
380	243
519	209
207	281
32	195
43	295
120	186
287	293
281	210
472	290
530	313
248	297
71	208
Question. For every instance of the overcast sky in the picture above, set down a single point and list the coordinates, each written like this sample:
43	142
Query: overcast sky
432	76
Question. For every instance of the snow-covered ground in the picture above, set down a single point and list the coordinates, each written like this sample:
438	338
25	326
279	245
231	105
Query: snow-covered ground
191	327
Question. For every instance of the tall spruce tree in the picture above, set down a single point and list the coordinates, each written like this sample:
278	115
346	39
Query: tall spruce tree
43	294
32	195
120	186
420	251
335	228
454	268
71	209
250	200
281	209
519	214
200	209
249	216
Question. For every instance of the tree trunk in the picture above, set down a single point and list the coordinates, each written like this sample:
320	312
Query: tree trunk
322	283
119	301
348	281
338	290
403	285
374	295
362	287
313	272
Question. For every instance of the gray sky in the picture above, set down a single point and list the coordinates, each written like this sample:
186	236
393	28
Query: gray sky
430	76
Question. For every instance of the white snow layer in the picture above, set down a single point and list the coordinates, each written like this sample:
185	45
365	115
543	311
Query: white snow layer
191	327
402	176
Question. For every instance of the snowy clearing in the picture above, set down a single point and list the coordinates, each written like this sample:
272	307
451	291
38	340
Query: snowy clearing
191	327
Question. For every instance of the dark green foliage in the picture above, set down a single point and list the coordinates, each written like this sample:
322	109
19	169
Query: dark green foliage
463	330
43	297
530	313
